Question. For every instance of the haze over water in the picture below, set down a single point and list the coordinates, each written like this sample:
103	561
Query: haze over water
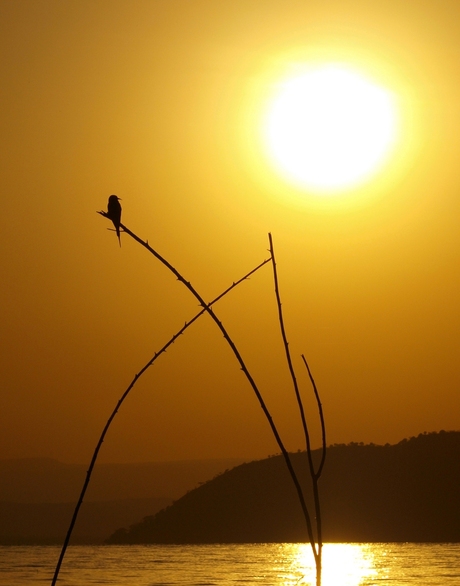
385	564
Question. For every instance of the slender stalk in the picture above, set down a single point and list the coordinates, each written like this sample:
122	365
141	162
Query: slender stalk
316	476
316	547
292	372
288	354
115	411
321	417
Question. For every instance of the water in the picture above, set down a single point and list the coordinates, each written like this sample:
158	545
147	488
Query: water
385	564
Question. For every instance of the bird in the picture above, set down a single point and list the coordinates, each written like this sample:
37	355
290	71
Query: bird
114	213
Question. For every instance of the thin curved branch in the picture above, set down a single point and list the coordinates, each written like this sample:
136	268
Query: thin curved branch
316	547
316	551
288	354
317	474
321	417
115	411
242	366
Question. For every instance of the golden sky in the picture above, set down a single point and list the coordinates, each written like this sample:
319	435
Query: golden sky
159	102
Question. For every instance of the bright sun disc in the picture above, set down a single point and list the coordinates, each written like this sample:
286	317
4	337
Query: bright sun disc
330	128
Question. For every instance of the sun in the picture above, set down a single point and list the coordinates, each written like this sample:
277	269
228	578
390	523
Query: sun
330	128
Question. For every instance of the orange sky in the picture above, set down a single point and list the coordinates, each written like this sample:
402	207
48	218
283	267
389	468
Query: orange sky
156	101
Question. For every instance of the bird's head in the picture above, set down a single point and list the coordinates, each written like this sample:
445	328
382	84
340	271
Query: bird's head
114	198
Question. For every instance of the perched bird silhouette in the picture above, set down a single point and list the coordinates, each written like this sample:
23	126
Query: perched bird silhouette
114	213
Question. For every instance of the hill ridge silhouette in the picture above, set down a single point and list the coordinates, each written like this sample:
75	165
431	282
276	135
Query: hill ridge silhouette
45	480
38	495
408	491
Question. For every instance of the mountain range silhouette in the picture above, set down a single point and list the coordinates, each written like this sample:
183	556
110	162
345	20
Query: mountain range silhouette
404	492
38	496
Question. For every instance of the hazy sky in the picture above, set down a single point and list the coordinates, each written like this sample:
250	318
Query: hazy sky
158	102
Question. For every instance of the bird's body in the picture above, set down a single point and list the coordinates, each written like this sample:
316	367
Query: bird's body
114	213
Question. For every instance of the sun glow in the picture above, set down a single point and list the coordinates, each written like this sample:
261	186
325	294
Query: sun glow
329	128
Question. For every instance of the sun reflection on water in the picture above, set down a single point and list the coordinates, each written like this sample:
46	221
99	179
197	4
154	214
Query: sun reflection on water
344	564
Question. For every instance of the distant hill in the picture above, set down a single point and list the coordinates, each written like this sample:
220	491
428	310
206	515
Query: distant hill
38	496
47	523
43	480
404	492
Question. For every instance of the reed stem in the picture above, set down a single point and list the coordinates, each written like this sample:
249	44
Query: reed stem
317	545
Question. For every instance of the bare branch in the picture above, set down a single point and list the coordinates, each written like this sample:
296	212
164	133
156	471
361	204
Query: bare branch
123	397
206	308
314	475
240	361
293	378
321	417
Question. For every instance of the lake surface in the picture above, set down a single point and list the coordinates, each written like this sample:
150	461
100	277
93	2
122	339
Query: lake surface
384	564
